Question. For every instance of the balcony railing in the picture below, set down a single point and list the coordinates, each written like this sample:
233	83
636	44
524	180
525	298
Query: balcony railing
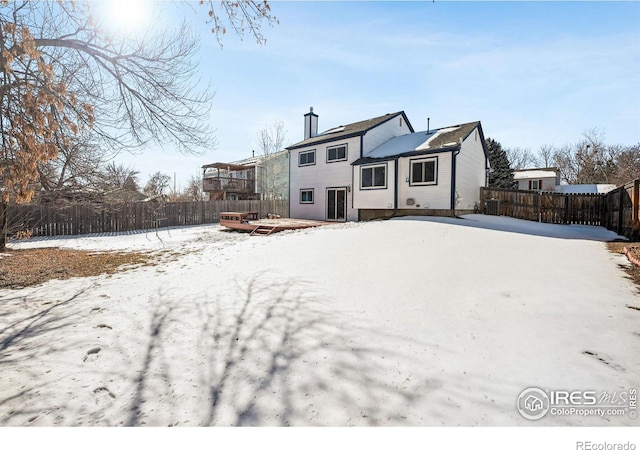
230	184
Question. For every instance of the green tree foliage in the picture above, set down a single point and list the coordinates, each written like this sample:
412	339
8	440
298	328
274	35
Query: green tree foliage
501	174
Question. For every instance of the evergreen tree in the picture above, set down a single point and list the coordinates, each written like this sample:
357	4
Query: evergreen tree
501	175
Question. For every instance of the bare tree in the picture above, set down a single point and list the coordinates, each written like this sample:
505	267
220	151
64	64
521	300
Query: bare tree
193	191
243	17
545	155
63	74
272	170
157	185
75	173
627	165
118	183
521	158
591	160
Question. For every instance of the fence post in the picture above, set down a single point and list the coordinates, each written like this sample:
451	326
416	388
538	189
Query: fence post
620	209
635	204
635	210
482	188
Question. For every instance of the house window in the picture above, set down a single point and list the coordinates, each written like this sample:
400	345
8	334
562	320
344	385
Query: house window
373	177
306	195
424	171
535	185
307	158
338	153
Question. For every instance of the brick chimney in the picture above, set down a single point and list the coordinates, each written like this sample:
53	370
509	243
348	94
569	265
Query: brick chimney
310	124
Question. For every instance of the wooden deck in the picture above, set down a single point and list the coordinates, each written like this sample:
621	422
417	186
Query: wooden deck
249	222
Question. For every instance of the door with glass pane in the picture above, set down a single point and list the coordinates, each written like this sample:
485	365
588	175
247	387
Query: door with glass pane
337	204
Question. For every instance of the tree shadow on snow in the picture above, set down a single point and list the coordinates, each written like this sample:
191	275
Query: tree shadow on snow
260	352
266	352
27	327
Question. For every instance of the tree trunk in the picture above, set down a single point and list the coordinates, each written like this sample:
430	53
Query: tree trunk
4	222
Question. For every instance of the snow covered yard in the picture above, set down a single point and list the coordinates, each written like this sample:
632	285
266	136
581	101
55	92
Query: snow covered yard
430	321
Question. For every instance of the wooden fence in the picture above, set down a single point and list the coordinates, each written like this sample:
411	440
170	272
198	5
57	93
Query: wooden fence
547	207
622	210
49	220
617	210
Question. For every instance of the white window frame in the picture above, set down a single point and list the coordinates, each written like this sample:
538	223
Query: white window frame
307	202
422	161
336	147
535	185
307	152
372	167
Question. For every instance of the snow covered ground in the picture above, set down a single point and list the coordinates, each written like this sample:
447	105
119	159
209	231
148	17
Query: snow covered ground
413	321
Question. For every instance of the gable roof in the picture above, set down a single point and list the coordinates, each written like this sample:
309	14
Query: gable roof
350	130
423	142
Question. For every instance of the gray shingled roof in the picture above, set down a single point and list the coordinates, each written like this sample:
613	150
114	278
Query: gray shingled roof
460	132
350	130
421	142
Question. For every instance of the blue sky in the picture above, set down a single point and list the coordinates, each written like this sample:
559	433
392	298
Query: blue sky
533	73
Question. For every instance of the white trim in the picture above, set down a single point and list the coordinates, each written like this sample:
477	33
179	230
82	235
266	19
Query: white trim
336	147
306	152
373	185
423	161
307	202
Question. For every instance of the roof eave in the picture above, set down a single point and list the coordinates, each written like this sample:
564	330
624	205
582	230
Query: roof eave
338	136
434	151
302	144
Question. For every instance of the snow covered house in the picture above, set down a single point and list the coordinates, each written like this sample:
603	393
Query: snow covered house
381	167
541	179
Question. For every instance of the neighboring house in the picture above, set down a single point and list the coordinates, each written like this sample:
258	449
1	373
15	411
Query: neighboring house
271	174
542	179
228	181
380	167
255	178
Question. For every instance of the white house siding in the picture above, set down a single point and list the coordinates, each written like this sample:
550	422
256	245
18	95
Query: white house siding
548	184
374	198
470	172
425	197
383	132
321	176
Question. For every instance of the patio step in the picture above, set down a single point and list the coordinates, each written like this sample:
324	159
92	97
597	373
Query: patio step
263	230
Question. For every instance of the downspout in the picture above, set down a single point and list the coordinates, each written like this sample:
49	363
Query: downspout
289	158
453	180
395	187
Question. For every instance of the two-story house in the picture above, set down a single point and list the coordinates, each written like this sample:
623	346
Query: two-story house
381	167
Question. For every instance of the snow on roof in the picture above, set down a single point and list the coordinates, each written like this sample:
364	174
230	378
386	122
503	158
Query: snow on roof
534	173
427	145
585	188
333	130
423	141
400	144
